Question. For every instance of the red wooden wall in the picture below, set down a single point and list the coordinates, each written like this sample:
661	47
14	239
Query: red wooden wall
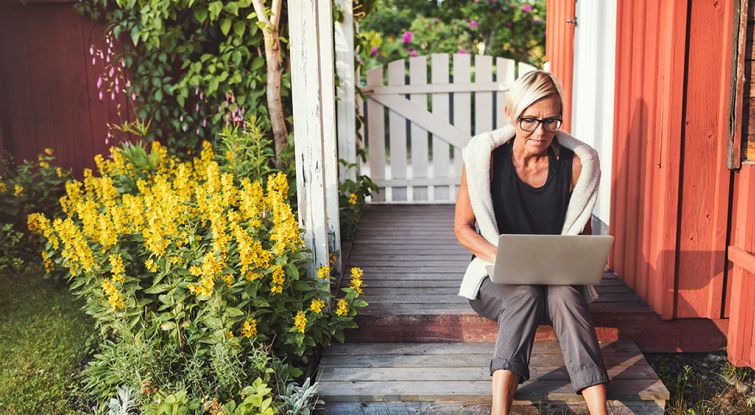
741	250
48	92
559	49
670	199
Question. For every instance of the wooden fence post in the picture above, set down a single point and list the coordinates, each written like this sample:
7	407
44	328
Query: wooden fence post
346	110
313	93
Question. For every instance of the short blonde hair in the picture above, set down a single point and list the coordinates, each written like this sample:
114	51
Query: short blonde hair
530	88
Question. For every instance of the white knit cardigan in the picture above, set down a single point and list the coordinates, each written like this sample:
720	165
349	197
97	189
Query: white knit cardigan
477	160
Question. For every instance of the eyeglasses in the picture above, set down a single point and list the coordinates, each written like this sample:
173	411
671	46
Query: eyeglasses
550	125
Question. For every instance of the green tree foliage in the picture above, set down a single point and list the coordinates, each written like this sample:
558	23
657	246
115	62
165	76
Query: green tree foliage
508	28
189	67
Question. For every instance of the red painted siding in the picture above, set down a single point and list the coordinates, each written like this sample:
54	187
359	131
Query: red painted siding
559	49
48	92
650	61
741	252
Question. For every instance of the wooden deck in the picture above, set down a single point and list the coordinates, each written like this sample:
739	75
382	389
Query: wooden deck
453	378
420	348
413	266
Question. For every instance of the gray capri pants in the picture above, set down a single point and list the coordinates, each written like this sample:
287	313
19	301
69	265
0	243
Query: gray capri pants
519	309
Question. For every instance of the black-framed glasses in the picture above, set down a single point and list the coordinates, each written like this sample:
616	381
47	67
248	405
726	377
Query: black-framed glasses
530	124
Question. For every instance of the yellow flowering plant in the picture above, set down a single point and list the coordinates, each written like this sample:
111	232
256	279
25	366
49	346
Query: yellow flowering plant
190	248
26	187
351	200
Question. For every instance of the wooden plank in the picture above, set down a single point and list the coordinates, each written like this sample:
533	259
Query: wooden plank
406	348
397	135
436	88
432	122
418	135
376	133
462	119
633	389
504	74
440	108
312	88
346	103
520	407
455	360
483	107
404	374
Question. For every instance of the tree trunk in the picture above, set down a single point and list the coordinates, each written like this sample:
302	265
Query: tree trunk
274	101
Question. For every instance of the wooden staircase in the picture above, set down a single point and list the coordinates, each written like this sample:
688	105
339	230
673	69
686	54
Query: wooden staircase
420	348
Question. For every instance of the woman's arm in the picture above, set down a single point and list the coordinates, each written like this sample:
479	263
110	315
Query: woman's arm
464	225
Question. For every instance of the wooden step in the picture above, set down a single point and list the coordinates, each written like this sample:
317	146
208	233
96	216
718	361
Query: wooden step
446	378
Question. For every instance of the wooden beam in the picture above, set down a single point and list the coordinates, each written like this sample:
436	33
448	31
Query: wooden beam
312	87
441	128
346	104
437	88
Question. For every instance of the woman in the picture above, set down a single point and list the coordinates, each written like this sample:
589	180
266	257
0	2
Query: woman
530	178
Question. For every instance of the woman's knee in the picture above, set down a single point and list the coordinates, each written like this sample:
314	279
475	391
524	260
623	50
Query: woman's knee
530	294
564	297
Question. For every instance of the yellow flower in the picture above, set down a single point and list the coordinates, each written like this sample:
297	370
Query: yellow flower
300	321
48	151
230	334
59	172
3	187
228	280
356	279
249	329
342	307
116	265
115	298
317	305
276	289
150	265
278	275
44	164
18	190
353	199
323	272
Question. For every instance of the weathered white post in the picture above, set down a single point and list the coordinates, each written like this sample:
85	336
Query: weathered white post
313	93
346	110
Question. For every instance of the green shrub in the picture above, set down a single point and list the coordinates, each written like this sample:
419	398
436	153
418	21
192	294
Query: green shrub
185	267
31	186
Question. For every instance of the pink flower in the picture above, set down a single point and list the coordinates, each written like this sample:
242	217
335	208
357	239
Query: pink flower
100	95
133	96
374	52
527	8
94	61
99	82
462	51
91	50
407	37
473	24
413	53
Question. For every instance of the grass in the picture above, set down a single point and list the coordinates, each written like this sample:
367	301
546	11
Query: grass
704	383
43	340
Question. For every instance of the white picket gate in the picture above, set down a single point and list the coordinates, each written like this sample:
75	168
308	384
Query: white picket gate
417	158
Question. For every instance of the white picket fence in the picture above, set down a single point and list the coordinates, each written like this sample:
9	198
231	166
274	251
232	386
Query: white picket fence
417	158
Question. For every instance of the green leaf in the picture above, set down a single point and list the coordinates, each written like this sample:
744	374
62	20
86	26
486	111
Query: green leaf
260	302
238	28
215	7
233	312
225	26
258	63
200	13
232	7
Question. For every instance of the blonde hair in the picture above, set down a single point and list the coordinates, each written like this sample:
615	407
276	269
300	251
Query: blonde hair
530	88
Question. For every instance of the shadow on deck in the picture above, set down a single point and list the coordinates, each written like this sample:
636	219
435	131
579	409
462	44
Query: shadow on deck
413	266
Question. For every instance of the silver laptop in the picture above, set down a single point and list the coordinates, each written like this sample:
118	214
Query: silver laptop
550	259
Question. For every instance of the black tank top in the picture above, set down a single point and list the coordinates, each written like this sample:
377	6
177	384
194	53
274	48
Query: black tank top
523	209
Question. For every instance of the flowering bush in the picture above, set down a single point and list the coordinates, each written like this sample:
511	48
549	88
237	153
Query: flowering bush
513	29
32	186
194	259
351	201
